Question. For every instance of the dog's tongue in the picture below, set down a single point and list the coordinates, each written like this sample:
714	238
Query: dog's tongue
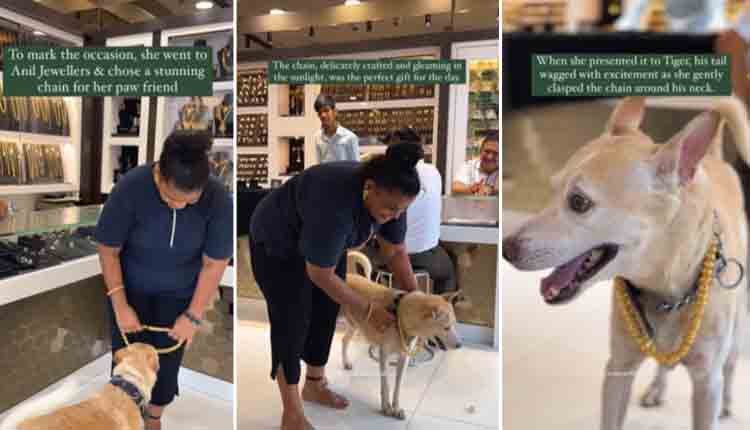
561	277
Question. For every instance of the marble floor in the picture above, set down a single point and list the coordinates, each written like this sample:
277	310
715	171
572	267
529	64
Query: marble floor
456	391
194	409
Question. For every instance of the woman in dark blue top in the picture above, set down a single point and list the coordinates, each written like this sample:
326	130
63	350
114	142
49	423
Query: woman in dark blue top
165	238
299	237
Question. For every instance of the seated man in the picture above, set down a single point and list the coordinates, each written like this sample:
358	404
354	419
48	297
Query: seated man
423	223
479	177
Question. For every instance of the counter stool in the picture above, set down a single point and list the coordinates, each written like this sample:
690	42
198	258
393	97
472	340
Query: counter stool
424	354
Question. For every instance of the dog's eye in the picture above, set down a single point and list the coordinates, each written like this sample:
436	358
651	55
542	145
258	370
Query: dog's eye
579	203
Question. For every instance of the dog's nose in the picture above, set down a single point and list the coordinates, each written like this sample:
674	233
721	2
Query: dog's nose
510	249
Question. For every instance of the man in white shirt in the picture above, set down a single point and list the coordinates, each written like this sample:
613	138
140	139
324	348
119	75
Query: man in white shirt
479	177
333	142
423	223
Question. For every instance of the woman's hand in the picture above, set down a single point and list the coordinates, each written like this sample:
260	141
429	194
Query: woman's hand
183	330
127	319
381	318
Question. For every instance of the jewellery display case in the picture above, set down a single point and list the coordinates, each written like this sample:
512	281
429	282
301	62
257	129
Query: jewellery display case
370	111
252	130
43	250
213	114
40	137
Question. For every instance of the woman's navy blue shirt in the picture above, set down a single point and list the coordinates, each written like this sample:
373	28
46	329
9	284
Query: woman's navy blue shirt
319	214
161	248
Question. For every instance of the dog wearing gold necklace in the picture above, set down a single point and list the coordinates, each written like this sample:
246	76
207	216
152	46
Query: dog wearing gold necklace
119	405
419	316
667	223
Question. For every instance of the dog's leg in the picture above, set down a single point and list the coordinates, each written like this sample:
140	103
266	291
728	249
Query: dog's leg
385	398
726	409
707	393
654	395
403	363
624	361
348	335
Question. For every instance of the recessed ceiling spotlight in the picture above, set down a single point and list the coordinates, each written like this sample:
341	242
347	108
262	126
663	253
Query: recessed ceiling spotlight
276	11
462	11
204	4
352	2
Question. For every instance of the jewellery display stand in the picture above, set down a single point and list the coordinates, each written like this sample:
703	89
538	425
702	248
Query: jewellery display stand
125	123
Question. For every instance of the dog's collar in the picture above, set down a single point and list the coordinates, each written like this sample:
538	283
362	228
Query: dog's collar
722	262
131	390
393	308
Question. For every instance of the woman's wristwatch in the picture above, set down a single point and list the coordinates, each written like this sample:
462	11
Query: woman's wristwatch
192	318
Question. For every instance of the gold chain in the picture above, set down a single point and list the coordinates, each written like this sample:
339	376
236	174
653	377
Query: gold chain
633	323
411	352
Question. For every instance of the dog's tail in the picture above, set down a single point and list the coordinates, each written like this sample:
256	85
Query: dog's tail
41	405
734	114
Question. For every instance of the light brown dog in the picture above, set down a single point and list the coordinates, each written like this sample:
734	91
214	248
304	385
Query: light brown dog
628	207
419	315
109	409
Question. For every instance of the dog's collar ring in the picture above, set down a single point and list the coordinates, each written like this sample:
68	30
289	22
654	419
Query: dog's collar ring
721	265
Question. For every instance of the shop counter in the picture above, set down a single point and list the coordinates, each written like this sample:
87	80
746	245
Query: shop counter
470	232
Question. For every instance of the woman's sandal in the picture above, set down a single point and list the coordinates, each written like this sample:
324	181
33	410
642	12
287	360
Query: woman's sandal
324	396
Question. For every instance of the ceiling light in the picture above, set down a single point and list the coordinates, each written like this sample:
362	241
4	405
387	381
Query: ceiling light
462	11
39	33
352	2
428	20
276	11
204	4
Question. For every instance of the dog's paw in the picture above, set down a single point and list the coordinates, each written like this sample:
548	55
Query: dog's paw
390	411
651	398
399	414
725	413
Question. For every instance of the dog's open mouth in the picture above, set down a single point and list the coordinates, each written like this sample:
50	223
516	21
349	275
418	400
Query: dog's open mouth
563	284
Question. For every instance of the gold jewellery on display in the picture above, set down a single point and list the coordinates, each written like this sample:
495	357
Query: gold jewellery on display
634	324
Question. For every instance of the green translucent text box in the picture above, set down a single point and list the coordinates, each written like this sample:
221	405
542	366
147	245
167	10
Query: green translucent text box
131	71
582	75
367	72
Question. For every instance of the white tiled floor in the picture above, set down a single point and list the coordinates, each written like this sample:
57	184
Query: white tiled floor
192	410
437	395
554	357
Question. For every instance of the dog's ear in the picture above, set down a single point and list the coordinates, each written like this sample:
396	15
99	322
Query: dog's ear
627	116
120	355
452	297
678	159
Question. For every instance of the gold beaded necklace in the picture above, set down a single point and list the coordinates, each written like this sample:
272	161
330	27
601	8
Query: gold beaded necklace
633	322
